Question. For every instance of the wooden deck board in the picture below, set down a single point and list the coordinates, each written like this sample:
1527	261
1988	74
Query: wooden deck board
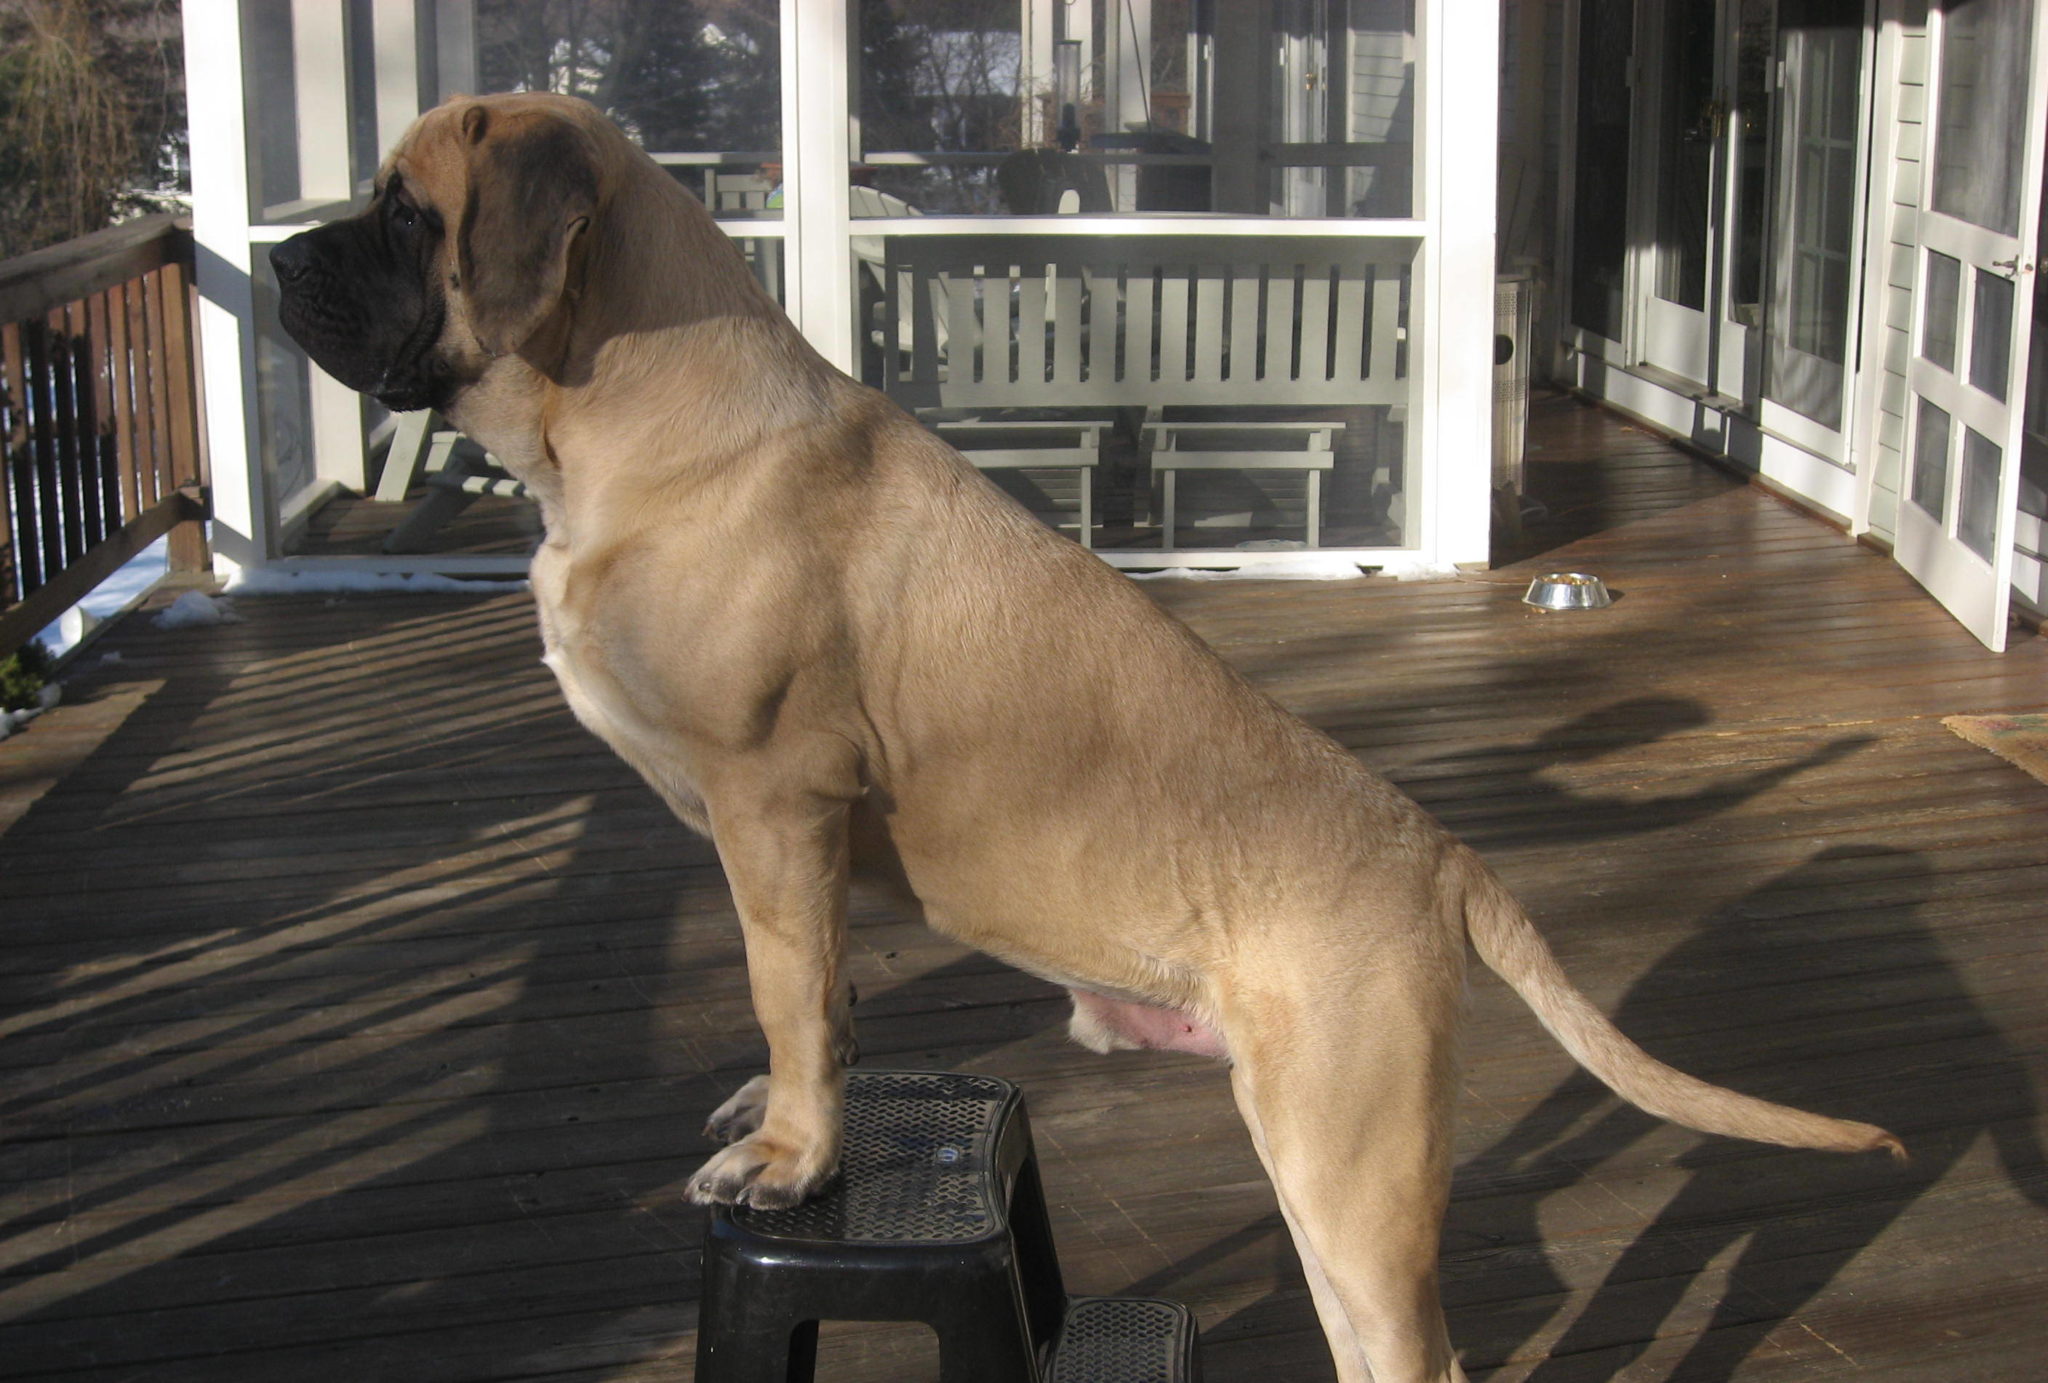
358	1012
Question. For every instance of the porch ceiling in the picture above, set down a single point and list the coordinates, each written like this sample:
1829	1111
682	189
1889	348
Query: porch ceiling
360	1011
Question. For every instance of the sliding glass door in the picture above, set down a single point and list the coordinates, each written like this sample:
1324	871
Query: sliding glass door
1719	197
1814	221
1687	121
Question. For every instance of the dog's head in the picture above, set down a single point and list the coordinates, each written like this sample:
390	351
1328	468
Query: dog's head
461	257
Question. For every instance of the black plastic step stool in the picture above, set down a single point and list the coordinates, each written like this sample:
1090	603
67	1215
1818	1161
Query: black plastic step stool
937	1216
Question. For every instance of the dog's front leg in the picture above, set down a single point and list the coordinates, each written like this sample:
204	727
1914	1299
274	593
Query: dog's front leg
785	857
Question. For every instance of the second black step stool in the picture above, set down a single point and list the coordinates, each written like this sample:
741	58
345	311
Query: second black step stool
937	1216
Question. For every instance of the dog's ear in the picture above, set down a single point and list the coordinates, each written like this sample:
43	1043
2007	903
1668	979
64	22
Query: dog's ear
533	183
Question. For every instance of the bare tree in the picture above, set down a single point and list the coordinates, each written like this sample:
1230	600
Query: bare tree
677	75
91	115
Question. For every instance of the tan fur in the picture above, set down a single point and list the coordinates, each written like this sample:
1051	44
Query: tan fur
825	639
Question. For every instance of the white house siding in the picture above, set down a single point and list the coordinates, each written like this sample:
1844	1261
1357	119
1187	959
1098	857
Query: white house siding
1908	24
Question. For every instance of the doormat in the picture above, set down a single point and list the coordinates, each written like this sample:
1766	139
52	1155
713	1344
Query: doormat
2021	740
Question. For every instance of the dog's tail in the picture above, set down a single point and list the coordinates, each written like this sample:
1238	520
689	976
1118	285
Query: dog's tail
1509	943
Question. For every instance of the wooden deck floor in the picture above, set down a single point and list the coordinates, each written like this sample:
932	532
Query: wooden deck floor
358	1013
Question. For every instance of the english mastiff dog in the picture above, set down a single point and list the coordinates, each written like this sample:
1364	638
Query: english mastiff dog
828	642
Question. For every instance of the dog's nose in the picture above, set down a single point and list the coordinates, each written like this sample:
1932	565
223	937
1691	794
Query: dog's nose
291	259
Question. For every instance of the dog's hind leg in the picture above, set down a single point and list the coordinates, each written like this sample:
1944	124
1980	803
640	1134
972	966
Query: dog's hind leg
1344	1343
1345	1084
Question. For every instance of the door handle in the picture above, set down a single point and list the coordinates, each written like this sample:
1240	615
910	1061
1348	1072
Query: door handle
2010	266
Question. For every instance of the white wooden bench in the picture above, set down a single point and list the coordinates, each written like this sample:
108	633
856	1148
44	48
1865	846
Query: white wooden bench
1142	324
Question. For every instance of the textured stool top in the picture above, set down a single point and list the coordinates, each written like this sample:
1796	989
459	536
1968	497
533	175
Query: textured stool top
916	1167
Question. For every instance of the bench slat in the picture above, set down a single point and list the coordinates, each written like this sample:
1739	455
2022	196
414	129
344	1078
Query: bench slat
1066	337
1105	294
924	332
1243	364
1164	460
1208	342
1281	340
1139	346
1315	326
1174	291
1031	328
1350	333
1384	343
963	332
1025	458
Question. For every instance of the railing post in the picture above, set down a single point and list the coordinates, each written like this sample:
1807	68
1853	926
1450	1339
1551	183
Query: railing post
13	435
187	545
14	467
124	401
42	446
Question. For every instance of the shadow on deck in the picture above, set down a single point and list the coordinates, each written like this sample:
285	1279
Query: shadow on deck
358	1012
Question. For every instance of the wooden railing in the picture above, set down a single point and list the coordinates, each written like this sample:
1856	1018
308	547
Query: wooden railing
100	444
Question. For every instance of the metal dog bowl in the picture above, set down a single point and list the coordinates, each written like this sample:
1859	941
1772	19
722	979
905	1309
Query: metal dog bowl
1568	590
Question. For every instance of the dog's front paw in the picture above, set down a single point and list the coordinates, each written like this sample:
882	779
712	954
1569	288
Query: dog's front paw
763	1172
740	1115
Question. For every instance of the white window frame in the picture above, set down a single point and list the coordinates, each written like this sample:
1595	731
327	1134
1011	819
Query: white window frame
1448	480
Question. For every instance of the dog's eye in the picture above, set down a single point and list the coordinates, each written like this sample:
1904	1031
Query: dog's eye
404	213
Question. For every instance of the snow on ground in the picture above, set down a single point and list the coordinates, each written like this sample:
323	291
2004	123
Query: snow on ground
110	597
11	721
312	581
1315	566
196	609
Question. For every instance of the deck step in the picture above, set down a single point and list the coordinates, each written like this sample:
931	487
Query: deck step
1125	1340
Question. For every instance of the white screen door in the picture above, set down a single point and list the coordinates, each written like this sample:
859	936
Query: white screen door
1982	187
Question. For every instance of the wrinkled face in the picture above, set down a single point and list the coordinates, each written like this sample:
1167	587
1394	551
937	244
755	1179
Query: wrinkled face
458	259
366	299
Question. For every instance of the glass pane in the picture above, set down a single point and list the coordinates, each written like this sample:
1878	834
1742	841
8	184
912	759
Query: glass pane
2033	488
1687	121
1977	510
1991	335
1978	143
366	154
1938	299
1754	50
1299	108
296	98
1930	461
1600	183
329	87
284	406
699	86
1820	44
2034	432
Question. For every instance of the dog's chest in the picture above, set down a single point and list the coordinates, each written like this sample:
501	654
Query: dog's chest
602	708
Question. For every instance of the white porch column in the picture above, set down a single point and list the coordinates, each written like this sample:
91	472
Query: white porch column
1126	99
1457	152
320	83
242	512
1035	81
817	143
395	32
